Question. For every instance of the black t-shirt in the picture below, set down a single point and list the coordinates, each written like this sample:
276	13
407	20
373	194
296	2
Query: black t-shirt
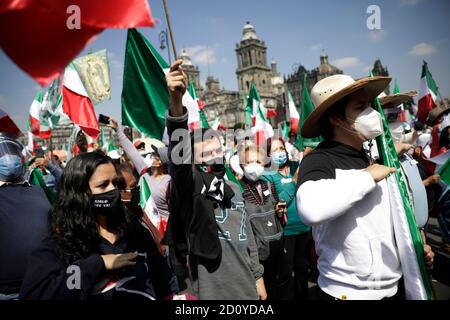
48	277
329	156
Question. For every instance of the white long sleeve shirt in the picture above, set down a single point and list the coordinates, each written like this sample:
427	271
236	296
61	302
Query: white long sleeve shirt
351	222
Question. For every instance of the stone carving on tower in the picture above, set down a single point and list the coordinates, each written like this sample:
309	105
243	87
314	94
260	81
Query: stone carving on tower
251	54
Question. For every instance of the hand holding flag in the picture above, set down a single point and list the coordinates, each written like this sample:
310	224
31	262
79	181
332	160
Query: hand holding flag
177	86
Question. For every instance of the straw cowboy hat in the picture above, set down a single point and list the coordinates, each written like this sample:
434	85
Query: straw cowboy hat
437	112
330	90
392	101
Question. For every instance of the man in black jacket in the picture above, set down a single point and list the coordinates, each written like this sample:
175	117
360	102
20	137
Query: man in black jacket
23	218
208	226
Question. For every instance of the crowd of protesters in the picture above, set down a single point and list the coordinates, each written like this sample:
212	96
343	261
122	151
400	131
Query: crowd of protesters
257	220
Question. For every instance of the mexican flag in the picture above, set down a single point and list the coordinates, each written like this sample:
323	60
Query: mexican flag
262	129
306	107
32	143
36	178
200	105
102	140
407	235
144	94
148	204
248	112
294	117
37	124
43	36
231	177
145	98
193	111
113	152
77	104
427	94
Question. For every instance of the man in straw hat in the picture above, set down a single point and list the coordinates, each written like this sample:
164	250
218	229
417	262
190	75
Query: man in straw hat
416	176
391	108
344	197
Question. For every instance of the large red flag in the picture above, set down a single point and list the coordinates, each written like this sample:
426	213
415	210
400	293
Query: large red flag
77	105
7	125
41	36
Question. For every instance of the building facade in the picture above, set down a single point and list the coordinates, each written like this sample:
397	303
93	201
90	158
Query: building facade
252	66
294	81
251	54
222	103
192	72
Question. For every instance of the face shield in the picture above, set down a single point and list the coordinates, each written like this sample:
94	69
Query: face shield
10	159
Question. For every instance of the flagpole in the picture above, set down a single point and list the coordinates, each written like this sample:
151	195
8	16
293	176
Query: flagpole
170	29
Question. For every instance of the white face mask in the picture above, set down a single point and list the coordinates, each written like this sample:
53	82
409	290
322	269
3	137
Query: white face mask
368	123
396	129
253	171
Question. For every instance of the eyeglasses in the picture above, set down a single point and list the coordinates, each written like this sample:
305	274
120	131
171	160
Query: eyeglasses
127	194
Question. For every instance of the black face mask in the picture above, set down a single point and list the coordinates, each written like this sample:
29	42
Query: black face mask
107	203
135	196
215	166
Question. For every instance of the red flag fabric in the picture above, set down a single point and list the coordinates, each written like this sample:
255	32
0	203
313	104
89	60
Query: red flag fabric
7	125
77	105
41	36
81	111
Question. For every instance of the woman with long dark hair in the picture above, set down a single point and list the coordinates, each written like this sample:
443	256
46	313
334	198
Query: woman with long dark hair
96	249
295	262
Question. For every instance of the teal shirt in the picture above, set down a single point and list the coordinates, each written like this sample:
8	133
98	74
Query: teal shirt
285	187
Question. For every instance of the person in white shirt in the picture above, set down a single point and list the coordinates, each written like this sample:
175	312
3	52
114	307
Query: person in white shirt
345	198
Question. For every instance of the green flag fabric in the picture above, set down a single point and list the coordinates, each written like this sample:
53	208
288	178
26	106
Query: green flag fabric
404	219
144	95
145	194
112	151
193	94
396	89
37	178
231	177
306	107
102	141
111	146
444	172
248	111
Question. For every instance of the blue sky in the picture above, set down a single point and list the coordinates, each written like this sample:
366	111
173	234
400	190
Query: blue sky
295	32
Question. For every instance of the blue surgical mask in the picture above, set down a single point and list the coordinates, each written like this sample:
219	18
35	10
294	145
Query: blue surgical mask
10	167
279	158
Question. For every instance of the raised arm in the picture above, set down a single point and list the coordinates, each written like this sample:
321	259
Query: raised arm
128	146
180	168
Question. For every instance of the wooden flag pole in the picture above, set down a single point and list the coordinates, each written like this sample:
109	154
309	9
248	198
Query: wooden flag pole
170	30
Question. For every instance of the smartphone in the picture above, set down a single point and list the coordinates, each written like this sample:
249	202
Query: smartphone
103	119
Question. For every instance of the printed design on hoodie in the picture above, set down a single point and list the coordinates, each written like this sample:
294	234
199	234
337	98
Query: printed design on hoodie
236	206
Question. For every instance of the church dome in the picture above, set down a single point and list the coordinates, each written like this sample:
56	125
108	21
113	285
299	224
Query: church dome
325	68
248	32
